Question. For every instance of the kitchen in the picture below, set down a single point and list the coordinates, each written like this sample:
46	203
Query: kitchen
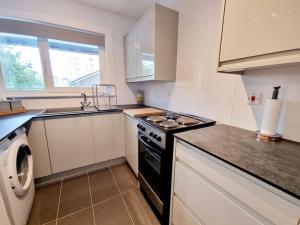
208	68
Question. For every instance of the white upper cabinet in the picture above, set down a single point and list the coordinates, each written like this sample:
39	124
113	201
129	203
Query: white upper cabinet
145	45
258	34
151	46
108	136
130	55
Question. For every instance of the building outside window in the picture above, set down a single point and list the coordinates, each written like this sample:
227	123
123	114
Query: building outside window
73	64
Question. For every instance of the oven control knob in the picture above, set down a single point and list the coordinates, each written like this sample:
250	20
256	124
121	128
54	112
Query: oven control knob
143	128
158	138
155	136
151	134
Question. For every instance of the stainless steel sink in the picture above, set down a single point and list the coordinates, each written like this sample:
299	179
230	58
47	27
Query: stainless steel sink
76	110
70	110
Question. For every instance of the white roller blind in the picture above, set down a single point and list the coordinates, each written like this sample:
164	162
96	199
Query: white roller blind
51	31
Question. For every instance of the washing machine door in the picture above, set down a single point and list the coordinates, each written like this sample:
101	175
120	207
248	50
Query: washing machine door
20	168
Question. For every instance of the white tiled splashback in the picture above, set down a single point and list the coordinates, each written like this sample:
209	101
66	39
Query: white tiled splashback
201	91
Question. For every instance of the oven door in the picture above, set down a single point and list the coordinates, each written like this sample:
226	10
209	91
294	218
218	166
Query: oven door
150	167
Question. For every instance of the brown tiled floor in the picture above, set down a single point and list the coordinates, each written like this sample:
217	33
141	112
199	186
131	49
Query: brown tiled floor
105	197
124	177
45	204
103	185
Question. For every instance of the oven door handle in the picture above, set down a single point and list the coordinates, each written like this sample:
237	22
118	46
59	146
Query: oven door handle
146	144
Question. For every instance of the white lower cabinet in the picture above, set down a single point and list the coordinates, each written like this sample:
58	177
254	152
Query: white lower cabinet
131	142
67	142
207	202
38	144
70	141
206	191
181	215
107	136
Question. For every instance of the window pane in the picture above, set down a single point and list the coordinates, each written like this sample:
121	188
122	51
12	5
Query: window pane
20	62
74	64
148	64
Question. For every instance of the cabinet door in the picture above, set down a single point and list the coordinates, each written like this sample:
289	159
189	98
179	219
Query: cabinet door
70	141
145	45
181	215
252	28
108	140
38	144
130	54
194	190
131	142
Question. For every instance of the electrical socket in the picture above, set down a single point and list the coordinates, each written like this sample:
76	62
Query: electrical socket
254	99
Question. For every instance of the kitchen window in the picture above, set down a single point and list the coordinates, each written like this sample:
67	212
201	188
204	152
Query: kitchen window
73	64
39	58
21	62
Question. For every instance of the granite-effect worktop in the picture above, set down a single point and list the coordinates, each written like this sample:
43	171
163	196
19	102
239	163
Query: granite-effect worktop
276	163
8	124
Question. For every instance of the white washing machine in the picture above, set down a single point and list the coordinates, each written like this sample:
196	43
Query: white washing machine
16	177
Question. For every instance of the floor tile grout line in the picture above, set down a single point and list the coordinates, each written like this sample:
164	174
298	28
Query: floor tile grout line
72	213
121	196
99	203
90	189
49	222
125	192
61	183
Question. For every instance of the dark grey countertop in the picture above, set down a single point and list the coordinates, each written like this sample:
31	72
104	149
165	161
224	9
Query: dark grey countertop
8	124
133	106
277	164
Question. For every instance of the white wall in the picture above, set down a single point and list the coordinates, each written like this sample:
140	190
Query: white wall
201	91
70	14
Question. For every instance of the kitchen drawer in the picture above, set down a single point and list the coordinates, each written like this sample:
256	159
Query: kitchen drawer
181	215
206	200
250	193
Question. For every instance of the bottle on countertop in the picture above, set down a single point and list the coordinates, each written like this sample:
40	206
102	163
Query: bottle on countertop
139	97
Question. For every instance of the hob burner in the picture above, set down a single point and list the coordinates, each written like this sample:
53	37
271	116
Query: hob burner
169	124
156	119
173	116
183	120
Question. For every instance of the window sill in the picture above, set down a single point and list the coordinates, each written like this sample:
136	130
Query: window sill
49	97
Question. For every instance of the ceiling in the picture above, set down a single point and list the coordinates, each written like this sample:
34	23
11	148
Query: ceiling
129	8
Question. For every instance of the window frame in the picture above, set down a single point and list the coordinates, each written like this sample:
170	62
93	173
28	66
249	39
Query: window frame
48	75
